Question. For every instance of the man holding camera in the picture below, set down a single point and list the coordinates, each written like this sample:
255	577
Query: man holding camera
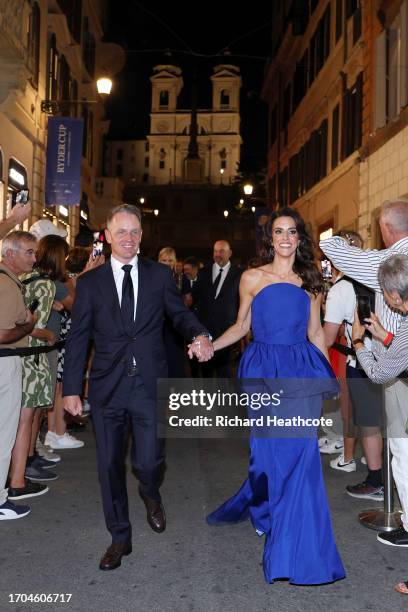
16	322
363	267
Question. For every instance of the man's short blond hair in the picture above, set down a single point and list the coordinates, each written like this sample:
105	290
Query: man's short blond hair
124	208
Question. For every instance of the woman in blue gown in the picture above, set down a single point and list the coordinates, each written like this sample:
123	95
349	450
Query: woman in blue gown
284	494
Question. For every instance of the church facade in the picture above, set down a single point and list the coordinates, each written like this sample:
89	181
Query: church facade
160	158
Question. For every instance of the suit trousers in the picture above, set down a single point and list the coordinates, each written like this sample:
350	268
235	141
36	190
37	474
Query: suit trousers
130	406
219	366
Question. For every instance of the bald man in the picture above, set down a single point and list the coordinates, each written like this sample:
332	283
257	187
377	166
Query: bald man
217	295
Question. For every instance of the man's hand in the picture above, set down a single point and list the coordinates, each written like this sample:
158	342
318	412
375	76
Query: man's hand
51	337
72	404
358	330
30	320
374	326
201	348
19	213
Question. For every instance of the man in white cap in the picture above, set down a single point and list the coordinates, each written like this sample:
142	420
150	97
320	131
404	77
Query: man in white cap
45	227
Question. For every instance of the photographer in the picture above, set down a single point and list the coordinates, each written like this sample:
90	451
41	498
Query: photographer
392	363
365	397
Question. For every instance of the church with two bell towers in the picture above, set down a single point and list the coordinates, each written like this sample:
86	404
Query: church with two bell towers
184	145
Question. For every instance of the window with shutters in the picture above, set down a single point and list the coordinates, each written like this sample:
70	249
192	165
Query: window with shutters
335	136
353	117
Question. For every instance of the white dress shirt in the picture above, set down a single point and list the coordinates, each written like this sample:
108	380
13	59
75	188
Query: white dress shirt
215	271
119	275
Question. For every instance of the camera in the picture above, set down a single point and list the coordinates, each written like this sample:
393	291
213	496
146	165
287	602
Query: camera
363	308
19	197
326	269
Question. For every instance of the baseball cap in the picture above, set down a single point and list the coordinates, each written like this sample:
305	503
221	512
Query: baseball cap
45	227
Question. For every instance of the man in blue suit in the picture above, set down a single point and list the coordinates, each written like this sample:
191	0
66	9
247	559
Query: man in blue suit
121	305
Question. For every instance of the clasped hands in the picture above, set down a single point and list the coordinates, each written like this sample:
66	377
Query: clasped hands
201	348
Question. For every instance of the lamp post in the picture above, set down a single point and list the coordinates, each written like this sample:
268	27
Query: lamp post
52	107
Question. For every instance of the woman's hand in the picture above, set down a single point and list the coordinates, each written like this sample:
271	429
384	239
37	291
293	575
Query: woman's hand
375	328
93	262
358	330
58	306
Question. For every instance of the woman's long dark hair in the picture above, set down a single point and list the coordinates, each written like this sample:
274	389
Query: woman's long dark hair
305	261
50	259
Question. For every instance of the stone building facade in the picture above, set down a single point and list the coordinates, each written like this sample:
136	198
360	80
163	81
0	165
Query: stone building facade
51	53
336	88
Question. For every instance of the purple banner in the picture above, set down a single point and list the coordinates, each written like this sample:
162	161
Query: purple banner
64	155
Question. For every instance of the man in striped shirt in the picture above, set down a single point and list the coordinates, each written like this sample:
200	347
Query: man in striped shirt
363	267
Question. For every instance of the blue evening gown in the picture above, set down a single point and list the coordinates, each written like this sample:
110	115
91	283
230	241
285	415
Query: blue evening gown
284	494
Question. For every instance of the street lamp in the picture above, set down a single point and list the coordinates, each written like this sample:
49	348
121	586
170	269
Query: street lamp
156	212
226	213
142	201
104	86
52	107
248	189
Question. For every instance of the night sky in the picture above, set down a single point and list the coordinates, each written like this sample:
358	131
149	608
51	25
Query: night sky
191	33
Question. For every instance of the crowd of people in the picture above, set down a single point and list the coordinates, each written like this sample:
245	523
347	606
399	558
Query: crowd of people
57	335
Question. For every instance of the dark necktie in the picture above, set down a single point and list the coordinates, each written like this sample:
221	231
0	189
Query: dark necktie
217	281
127	306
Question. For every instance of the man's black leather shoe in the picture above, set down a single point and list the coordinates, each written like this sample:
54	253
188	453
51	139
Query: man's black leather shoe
156	516
113	556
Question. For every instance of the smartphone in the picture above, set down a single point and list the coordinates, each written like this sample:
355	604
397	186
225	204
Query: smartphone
19	197
326	269
97	248
33	306
363	308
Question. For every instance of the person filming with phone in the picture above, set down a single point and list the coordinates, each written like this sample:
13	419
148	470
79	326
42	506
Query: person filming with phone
365	397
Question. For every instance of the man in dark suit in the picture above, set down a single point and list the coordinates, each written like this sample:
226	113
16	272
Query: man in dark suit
217	300
121	306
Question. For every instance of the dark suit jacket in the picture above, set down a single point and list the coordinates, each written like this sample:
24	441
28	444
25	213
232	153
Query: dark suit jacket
96	314
220	313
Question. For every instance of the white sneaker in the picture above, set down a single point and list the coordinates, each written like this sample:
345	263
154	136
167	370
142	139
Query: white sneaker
62	442
46	452
331	446
363	460
322	441
340	464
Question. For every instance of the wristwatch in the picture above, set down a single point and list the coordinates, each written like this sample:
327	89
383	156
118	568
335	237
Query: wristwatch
205	334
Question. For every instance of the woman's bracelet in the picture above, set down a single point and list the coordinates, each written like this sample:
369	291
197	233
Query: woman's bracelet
388	339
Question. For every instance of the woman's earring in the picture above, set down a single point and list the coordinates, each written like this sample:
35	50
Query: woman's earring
298	250
271	251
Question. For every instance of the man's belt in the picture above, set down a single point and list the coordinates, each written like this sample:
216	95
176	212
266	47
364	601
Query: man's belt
30	350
